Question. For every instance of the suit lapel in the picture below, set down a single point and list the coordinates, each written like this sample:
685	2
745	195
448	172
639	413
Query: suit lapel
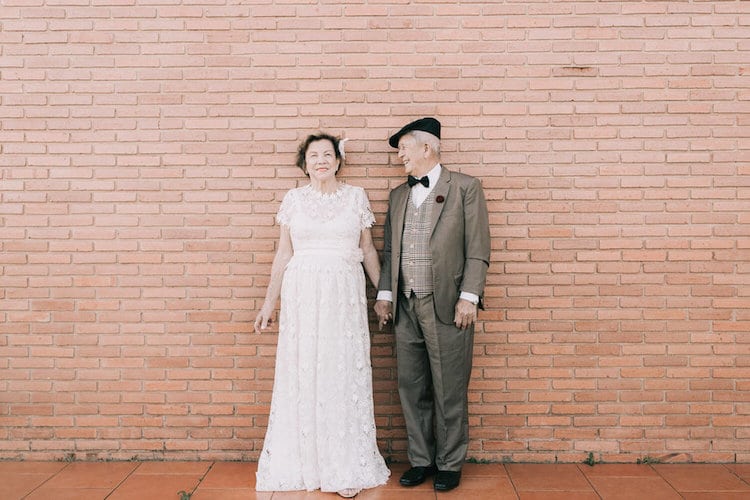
400	199
441	190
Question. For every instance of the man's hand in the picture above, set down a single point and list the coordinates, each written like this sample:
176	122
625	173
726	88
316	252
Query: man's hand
384	310
466	314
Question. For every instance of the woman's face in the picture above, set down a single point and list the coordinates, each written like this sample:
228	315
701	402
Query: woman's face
321	161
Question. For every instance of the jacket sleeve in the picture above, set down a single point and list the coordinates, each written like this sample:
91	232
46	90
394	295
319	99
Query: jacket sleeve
385	268
476	240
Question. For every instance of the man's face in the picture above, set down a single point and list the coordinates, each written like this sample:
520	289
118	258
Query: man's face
411	153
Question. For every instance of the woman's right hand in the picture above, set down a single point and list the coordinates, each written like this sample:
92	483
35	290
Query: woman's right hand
264	318
384	310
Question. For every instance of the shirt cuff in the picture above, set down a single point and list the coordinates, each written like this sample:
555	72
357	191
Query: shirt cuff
474	299
385	295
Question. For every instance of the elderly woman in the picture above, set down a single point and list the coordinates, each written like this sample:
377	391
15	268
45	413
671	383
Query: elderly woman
321	430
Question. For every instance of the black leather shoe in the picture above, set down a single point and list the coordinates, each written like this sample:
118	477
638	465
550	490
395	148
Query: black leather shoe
416	475
446	480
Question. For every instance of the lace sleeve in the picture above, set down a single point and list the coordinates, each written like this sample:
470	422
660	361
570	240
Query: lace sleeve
284	215
366	217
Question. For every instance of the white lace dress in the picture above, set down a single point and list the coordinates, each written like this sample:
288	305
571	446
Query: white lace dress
321	430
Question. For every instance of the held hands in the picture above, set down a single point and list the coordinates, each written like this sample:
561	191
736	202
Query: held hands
264	317
466	314
384	310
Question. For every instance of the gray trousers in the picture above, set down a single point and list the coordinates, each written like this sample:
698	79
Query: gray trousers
434	368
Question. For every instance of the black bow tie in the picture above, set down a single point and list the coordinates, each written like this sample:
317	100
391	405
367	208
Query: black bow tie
425	181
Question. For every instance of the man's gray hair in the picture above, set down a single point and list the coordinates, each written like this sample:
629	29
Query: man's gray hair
427	138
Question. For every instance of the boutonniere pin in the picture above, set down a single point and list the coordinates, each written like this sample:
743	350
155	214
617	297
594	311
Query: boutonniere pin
440	198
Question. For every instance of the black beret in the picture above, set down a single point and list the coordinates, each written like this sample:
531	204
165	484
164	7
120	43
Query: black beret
429	125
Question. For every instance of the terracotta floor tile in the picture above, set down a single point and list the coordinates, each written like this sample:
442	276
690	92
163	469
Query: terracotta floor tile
402	494
487	470
473	483
92	475
742	470
393	484
715	495
45	493
701	477
227	475
15	485
621	470
230	494
32	467
633	488
558	495
173	468
151	487
305	495
539	477
465	492
236	481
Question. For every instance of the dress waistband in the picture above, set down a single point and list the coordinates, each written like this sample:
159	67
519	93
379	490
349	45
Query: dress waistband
352	255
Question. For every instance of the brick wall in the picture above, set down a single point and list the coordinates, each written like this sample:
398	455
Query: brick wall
145	146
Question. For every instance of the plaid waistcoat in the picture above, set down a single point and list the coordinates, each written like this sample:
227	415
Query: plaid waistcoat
416	258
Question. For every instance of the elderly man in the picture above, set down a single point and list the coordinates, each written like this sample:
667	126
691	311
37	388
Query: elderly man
435	260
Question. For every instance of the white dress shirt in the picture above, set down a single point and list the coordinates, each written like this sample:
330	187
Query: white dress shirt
419	193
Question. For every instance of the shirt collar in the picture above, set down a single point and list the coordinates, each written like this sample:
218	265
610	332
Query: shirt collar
434	175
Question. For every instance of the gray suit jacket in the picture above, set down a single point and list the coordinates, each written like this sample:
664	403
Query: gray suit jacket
460	241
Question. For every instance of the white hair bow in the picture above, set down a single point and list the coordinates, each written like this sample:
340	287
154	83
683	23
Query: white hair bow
341	148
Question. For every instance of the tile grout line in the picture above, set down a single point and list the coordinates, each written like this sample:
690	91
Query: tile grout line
46	480
213	462
123	480
510	478
747	482
591	485
666	481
